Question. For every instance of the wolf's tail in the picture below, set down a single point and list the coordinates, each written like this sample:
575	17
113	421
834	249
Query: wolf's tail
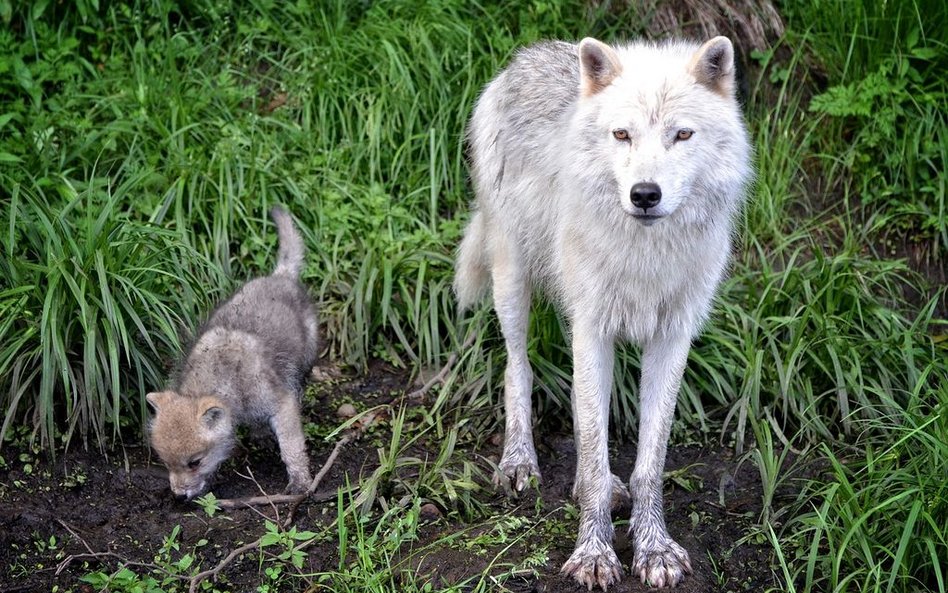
471	273
292	250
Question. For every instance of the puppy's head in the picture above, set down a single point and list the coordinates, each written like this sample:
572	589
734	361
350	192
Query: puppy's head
192	436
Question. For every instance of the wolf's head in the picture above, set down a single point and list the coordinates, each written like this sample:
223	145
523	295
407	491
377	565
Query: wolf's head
192	436
664	126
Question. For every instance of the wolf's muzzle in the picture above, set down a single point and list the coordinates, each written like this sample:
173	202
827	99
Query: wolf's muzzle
646	195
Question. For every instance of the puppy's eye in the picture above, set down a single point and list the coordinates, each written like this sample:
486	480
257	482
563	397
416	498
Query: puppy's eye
684	134
194	464
620	134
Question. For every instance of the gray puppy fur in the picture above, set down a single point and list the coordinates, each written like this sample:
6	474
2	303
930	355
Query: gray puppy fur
247	365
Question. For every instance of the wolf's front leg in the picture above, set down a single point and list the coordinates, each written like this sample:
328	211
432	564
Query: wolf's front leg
288	429
659	561
512	303
593	562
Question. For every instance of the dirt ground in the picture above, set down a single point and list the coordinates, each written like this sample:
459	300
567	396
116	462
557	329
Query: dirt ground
121	503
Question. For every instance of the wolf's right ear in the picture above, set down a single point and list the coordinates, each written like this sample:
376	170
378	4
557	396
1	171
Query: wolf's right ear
713	65
598	66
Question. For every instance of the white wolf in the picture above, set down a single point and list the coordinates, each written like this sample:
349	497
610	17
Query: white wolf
611	178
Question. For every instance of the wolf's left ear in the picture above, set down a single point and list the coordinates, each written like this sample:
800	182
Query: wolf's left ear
598	66
713	65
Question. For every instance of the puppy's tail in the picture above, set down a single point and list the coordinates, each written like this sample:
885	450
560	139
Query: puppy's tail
292	250
471	272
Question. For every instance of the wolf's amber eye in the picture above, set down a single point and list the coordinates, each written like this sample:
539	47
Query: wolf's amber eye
194	464
684	134
620	134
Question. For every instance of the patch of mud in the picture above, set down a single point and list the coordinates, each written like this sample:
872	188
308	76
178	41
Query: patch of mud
120	504
700	478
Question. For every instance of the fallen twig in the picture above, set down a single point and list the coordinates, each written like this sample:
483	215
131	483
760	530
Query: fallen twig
212	572
347	438
123	560
295	499
448	365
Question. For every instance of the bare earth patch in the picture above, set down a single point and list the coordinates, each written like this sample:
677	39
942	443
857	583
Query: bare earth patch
121	503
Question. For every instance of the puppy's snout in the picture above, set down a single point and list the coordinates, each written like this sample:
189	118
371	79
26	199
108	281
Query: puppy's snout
646	195
180	497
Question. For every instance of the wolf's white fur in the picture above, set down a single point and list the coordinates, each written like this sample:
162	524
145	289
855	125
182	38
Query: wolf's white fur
559	142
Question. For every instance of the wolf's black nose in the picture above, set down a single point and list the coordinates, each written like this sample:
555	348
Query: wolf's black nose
646	195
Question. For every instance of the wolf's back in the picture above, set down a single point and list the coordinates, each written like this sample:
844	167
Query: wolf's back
292	250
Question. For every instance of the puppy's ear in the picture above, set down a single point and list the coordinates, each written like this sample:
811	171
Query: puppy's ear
713	65
598	66
158	399
212	413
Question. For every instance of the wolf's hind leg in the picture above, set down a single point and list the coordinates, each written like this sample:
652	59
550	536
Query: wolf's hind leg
512	303
659	560
288	428
620	491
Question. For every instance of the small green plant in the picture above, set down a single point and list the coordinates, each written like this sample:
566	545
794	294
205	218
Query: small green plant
43	544
163	575
124	580
286	543
208	504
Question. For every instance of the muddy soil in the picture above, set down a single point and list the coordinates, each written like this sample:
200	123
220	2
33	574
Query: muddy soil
119	503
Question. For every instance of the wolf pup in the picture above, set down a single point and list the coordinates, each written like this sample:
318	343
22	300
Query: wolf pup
610	177
247	365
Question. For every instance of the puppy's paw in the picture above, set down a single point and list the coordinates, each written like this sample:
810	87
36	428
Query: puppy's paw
662	564
299	483
594	564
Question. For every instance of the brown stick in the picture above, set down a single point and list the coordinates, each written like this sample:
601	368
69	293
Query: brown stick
212	572
295	499
347	438
439	378
123	560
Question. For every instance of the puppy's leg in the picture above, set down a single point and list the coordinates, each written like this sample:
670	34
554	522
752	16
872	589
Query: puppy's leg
593	562
288	428
512	304
659	561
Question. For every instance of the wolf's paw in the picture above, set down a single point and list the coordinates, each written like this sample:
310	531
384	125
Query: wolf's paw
664	564
515	474
517	466
592	565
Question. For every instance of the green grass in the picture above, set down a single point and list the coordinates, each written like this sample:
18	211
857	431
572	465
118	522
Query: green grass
143	143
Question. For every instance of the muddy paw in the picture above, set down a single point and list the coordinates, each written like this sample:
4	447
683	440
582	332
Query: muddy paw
516	476
594	565
517	465
297	485
662	566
